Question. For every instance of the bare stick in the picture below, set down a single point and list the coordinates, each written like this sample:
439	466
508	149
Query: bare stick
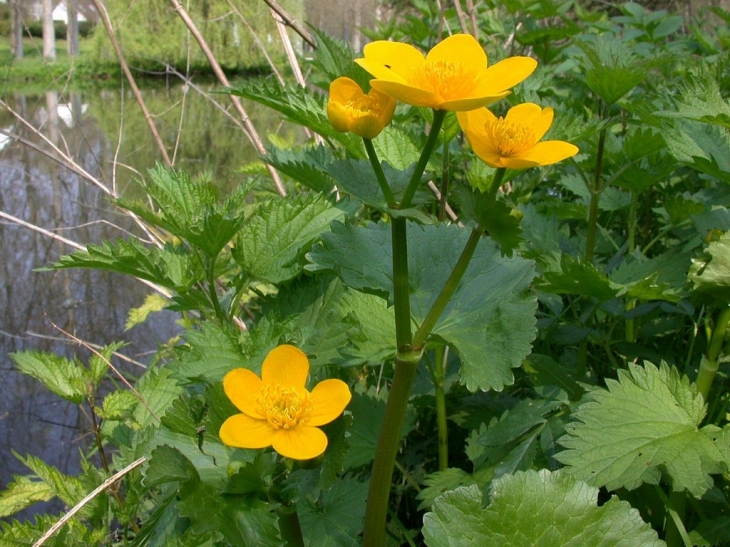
462	18
473	19
299	29
148	118
95	346
223	79
436	192
98	490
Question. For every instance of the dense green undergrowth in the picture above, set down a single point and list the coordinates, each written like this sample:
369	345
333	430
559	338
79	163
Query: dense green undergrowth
572	390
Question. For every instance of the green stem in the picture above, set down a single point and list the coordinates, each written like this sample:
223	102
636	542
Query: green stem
291	531
497	181
709	365
632	221
401	292
379	174
440	394
448	290
445	174
595	190
675	534
438	120
387	450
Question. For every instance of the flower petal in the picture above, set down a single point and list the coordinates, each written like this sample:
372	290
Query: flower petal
367	127
344	89
390	60
329	398
338	116
531	115
475	121
406	93
463	49
242	387
505	74
300	443
244	431
285	365
472	103
546	153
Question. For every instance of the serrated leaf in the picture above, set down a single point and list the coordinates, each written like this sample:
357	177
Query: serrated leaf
701	100
335	520
490	320
394	147
710	274
576	276
158	388
118	405
645	423
67	488
270	244
436	484
167	464
23	492
306	166
300	105
703	147
544	371
59	375
210	353
496	217
153	302
535	509
335	58
711	532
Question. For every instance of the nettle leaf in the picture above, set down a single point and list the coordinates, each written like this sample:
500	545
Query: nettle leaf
535	509
153	302
70	490
335	58
394	147
490	320
64	378
701	100
335	520
271	242
73	533
23	492
301	106
576	276
158	388
704	147
645	422
436	484
710	274
304	165
210	353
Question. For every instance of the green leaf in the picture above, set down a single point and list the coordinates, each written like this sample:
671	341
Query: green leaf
168	464
301	106
436	484
305	165
67	488
711	532
544	371
23	492
270	244
153	302
490	320
535	509
209	354
395	148
701	100
118	405
335	58
498	219
710	273
158	388
335	519
59	375
645	422
703	147
576	276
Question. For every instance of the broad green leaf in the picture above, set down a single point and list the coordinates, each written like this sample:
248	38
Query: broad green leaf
335	58
701	100
158	388
270	244
701	146
544	371
300	105
209	354
436	484
67	488
306	166
335	520
153	302
644	424
576	276
535	509
59	375
490	320
710	274
118	405
167	464
23	492
711	532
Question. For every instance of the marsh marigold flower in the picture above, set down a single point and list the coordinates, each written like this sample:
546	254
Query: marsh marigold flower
453	76
350	109
512	141
278	410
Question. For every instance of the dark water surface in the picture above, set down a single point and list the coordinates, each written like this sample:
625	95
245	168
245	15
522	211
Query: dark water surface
93	306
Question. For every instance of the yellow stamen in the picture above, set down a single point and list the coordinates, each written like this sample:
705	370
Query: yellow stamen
444	78
364	105
510	138
284	407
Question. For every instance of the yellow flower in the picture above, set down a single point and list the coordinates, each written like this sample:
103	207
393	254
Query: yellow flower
277	408
349	109
512	141
453	76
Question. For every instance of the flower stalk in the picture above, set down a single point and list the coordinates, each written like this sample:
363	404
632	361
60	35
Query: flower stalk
440	396
379	174
438	120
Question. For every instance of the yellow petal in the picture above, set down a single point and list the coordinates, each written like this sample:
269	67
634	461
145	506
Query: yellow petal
329	398
244	431
464	105
462	49
546	153
390	60
474	121
338	116
300	443
242	387
406	93
505	74
286	366
367	127
344	89
532	116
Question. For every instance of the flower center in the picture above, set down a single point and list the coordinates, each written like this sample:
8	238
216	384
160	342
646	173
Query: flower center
364	105
284	407
445	79
509	138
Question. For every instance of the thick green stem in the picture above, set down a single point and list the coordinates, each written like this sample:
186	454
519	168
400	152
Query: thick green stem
448	290
387	450
440	395
709	365
438	120
379	174
401	292
497	181
291	531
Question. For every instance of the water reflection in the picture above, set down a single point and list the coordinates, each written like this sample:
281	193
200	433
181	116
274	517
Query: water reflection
91	305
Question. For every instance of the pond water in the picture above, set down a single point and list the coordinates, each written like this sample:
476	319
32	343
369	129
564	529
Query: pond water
100	129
